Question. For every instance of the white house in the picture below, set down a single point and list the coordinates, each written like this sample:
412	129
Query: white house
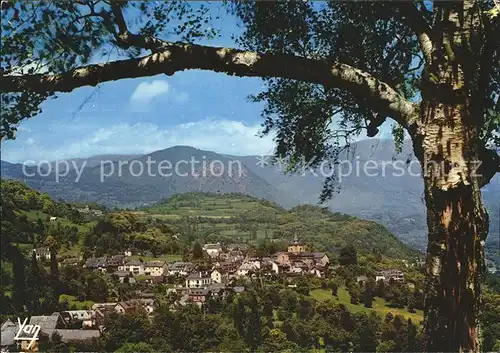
42	253
134	305
275	267
213	250
85	316
297	268
52	219
256	262
395	275
180	268
97	264
216	276
103	306
135	267
148	305
316	272
155	268
246	268
198	280
219	275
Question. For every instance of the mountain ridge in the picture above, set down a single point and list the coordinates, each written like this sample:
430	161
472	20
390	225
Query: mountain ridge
394	201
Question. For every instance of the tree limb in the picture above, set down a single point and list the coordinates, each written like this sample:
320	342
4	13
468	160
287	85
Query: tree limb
118	17
413	18
179	57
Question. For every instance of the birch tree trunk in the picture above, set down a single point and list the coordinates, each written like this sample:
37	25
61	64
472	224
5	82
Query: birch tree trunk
447	144
458	225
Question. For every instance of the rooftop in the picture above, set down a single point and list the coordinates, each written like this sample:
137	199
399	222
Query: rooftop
198	291
121	273
134	263
155	263
212	246
46	322
197	275
75	335
180	265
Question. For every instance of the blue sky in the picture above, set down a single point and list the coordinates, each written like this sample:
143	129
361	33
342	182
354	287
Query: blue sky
198	108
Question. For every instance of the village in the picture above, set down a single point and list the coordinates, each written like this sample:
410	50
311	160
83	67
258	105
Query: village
186	281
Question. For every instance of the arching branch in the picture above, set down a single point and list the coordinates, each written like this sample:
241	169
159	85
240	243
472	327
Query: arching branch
176	57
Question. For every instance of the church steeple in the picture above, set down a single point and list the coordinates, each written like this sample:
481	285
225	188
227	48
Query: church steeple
296	246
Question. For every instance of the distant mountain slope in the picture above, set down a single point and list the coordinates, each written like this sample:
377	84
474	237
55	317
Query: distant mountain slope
91	161
382	194
164	173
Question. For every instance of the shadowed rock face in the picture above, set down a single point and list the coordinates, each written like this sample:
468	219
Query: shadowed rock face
382	186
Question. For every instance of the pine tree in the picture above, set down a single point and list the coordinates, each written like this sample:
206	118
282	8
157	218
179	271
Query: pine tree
19	284
53	246
197	251
411	338
368	298
253	334
239	316
34	283
368	293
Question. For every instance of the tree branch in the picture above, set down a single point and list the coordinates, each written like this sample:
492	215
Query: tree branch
119	18
413	18
176	57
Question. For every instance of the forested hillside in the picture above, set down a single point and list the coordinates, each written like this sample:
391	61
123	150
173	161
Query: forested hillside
189	217
237	217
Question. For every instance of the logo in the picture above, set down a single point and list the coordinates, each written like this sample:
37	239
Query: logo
27	332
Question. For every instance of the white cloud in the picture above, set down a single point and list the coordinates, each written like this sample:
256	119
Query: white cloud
221	136
30	141
145	92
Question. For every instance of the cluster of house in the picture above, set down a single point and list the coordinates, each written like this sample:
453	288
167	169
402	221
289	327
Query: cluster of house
126	269
85	210
388	276
233	262
73	326
42	253
230	262
89	211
